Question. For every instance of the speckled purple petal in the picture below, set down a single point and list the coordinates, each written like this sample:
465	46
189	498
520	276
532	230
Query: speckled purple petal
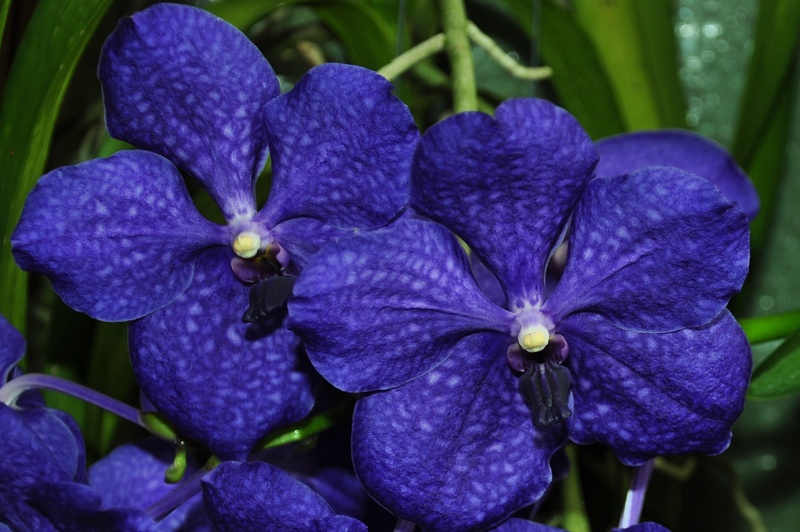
505	185
26	460
341	147
656	250
132	476
59	433
183	83
74	506
523	525
117	237
222	382
626	153
12	349
303	237
646	395
454	449
260	496
379	309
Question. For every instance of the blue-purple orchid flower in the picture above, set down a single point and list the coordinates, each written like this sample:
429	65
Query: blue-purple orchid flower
44	484
260	496
633	348
120	238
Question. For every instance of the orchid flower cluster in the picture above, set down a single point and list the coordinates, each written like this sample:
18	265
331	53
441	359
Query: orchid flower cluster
485	293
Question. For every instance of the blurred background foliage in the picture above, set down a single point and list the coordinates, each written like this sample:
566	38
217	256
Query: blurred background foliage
726	68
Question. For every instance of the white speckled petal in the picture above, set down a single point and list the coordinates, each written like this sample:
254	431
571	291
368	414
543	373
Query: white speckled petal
259	496
117	237
187	85
646	395
626	153
222	382
506	185
379	309
341	147
455	449
656	251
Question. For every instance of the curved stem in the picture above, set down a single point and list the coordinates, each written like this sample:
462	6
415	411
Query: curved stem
502	58
454	24
182	493
412	56
11	391
635	499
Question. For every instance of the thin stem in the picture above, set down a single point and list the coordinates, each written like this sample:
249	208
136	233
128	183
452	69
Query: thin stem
182	493
454	24
502	58
11	391
412	56
635	499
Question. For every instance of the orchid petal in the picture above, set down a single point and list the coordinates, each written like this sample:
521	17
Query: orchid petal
416	447
117	237
12	349
341	147
259	496
656	251
646	395
183	83
379	309
626	153
132	476
222	382
506	185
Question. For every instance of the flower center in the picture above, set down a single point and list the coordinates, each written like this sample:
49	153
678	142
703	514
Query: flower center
247	244
533	338
538	354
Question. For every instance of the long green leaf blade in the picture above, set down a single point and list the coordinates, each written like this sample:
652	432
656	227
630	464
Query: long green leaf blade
779	373
53	42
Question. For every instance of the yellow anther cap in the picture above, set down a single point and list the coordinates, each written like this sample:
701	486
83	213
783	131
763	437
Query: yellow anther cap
247	244
533	338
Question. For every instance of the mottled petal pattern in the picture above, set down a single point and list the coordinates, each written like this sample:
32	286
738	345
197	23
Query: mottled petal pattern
379	309
505	185
626	153
303	237
74	506
454	449
646	395
26	460
187	85
117	237
259	496
341	147
222	382
656	250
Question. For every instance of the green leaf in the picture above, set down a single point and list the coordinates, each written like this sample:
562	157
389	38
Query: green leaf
579	79
366	36
50	48
779	373
636	45
4	7
775	45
